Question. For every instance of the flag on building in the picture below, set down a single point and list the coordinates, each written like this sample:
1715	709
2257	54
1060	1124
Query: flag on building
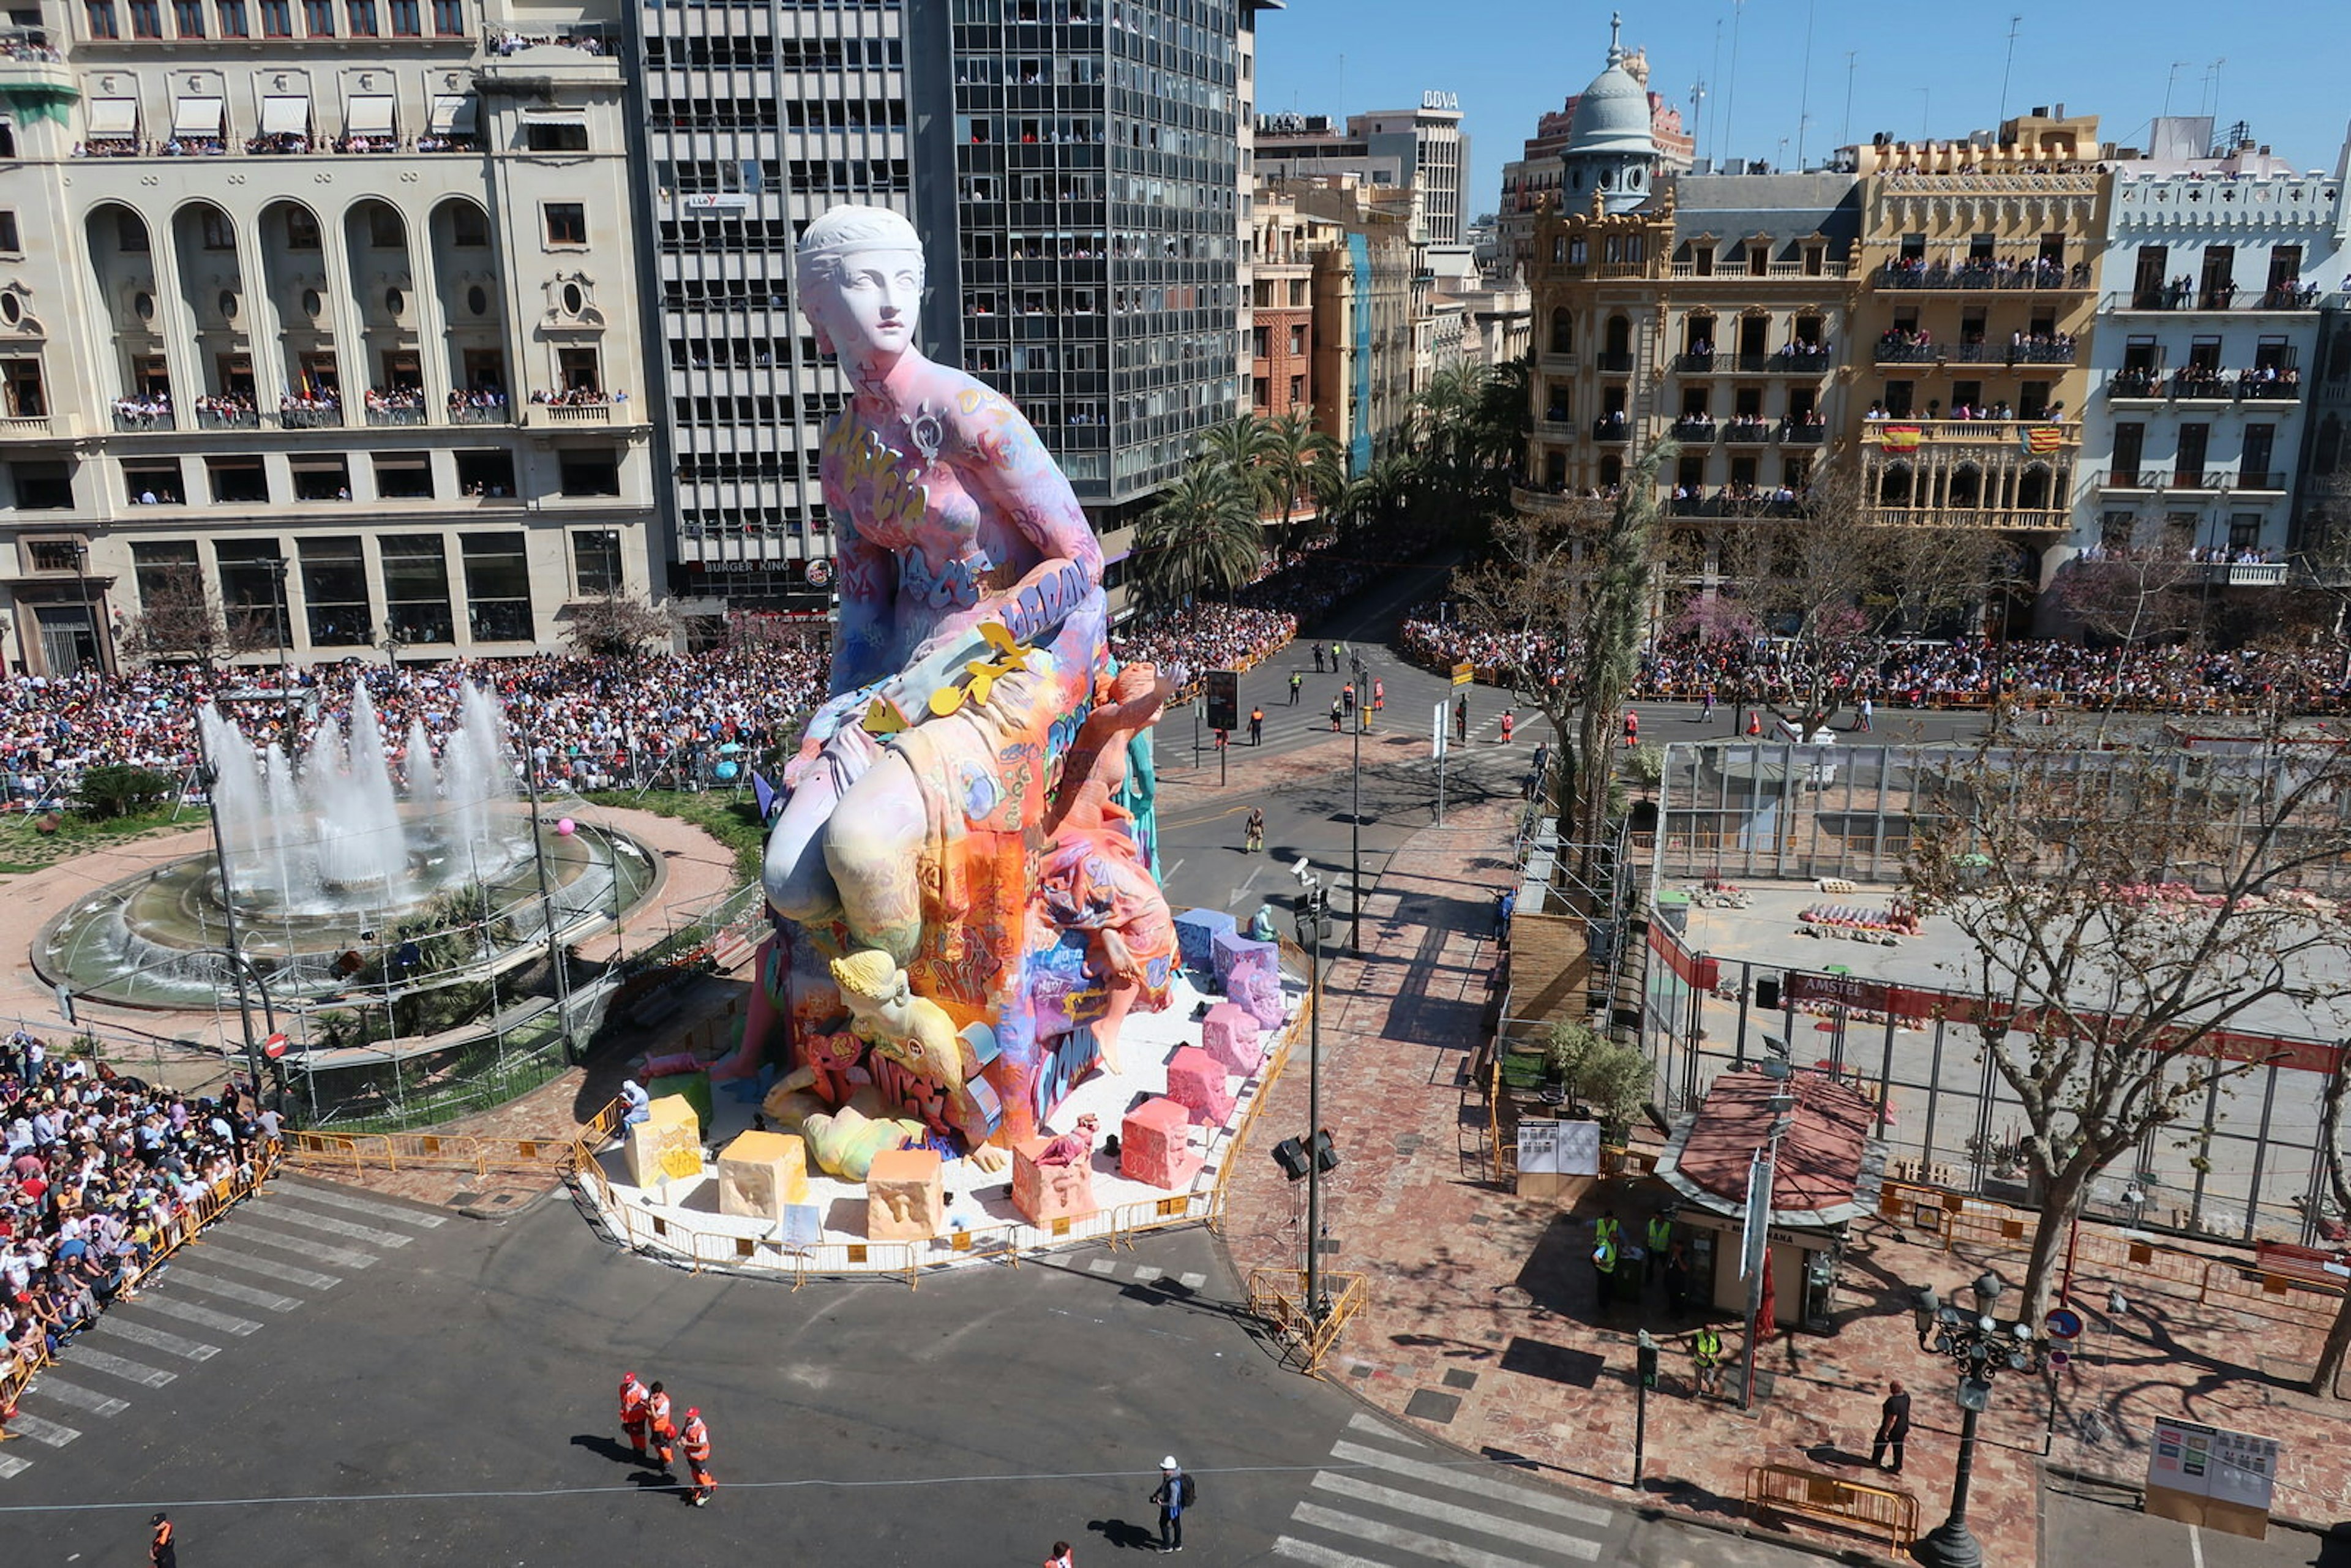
2040	439
1898	438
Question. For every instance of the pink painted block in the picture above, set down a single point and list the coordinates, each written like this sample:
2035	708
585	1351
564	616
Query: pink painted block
1045	1193
1156	1144
1197	1081
1230	1035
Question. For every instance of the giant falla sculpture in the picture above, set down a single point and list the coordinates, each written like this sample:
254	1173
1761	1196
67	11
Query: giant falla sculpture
964	912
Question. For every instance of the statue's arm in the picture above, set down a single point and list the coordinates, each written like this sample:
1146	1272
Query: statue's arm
1009	466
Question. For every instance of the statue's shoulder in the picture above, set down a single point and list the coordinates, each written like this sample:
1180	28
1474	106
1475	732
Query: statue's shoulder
982	415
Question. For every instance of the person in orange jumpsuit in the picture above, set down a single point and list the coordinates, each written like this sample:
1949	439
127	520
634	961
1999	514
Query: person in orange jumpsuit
161	1552
695	1439
633	1407
664	1430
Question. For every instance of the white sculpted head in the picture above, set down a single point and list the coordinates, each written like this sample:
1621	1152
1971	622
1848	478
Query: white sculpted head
860	271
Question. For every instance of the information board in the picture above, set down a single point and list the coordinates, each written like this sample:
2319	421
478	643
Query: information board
2212	1476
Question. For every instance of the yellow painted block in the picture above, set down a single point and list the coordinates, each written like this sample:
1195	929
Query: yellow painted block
905	1196
762	1173
665	1145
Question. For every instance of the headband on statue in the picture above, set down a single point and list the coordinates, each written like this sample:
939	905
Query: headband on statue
846	230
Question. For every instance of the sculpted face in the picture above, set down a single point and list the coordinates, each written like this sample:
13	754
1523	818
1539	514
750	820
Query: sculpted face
863	303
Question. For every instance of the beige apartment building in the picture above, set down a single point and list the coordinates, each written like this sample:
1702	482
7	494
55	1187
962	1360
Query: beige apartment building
331	307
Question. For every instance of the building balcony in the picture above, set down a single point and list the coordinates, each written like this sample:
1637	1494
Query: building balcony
2126	480
1804	434
1558	507
380	418
1694	432
1614	364
2195	481
2213	301
1789	362
1746	433
225	418
2247	574
569	413
317	416
1894	354
1612	430
1700	364
2029	276
1777	271
1986	519
2267	479
29	426
2009	434
481	414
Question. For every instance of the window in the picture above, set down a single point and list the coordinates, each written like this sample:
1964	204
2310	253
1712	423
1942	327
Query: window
558	136
219	234
403	475
146	19
577	371
276	18
165	568
154	483
252	578
232	23
57	555
566	223
318	18
188	17
335	592
469	228
21	390
498	588
99	15
407	19
238	479
596	562
44	487
590	473
322	478
362	16
488	475
2244	531
449	17
301	229
415	586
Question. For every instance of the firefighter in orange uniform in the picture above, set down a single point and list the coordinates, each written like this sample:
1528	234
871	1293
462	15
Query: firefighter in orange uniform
665	1429
695	1441
633	1399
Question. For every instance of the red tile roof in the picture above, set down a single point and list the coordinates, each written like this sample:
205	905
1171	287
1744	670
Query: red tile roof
1820	1155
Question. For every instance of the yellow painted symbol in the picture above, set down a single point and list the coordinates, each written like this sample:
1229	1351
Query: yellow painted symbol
883	717
981	675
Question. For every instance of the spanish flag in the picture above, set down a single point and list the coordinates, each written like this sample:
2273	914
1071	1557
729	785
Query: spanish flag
2038	439
1898	438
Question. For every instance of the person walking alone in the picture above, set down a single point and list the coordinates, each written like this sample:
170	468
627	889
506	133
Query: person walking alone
1062	1557
1174	1495
1253	835
633	1408
695	1439
161	1551
1256	726
1461	718
1296	681
1893	1428
1334	716
1861	716
1706	1358
1508	720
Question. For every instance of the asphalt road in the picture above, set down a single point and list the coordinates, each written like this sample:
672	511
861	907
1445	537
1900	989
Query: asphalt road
333	1378
2090	1523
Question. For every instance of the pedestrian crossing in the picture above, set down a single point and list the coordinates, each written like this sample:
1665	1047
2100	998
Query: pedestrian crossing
214	1297
1386	1500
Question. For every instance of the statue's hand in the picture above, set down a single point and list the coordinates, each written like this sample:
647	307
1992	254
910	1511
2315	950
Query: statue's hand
988	1157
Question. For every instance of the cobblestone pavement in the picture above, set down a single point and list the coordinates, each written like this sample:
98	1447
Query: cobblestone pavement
1482	1328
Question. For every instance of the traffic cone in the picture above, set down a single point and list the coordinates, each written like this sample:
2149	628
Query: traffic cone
1755	723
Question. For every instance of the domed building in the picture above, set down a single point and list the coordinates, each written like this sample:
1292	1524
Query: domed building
1611	149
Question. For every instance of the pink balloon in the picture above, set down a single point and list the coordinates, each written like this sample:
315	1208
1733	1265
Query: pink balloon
567	827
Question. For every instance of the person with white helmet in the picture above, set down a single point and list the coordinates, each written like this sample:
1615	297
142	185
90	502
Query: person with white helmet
1174	1494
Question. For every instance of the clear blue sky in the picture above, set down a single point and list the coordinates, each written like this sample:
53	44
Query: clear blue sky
1935	66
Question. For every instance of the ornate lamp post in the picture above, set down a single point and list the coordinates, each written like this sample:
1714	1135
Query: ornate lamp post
1980	1345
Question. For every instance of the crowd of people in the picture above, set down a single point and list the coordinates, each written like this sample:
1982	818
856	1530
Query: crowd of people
1208	636
105	1172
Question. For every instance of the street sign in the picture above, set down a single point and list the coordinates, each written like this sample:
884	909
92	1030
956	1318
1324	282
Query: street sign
1464	673
2062	1322
1757	1235
1436	734
1225	700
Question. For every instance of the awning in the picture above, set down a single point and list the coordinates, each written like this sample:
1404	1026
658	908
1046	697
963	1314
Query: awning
551	116
286	116
452	115
114	116
196	117
370	116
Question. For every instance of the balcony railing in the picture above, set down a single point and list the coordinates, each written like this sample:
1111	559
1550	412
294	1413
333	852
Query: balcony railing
2126	479
2195	298
312	418
390	416
2007	433
1694	432
2260	479
228	418
1544	503
1791	363
2027	276
1747	434
576	413
2247	574
22	424
1804	434
2197	479
2269	392
481	414
138	423
1720	505
1772	270
1615	364
1700	364
1978	353
1994	520
1888	353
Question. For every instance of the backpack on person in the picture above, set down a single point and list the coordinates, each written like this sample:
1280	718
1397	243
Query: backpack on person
1187	1490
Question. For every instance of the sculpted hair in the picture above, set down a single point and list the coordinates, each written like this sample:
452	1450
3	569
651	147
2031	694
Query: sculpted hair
867	973
847	229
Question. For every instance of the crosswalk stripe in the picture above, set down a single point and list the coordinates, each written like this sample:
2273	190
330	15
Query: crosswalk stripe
1101	1265
1319	1557
1359	1422
230	1290
270	1266
187	1312
1191	1281
121	1367
286	1214
1474	1481
1395	1535
79	1398
41	1431
10	1465
307	1247
116	1327
334	1199
1144	1274
1412	1505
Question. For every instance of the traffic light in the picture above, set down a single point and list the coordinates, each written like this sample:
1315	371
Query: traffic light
1648	1361
1224	700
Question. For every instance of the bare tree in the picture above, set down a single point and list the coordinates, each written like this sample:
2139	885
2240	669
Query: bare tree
178	620
614	626
2115	914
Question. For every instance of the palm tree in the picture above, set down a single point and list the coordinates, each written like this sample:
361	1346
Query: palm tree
1298	459
1202	536
1240	446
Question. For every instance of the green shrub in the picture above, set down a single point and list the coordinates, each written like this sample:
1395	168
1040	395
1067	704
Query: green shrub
119	790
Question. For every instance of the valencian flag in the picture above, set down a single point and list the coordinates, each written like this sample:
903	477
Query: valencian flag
2037	439
1898	438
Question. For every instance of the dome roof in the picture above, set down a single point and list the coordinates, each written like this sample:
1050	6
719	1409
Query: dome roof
1612	117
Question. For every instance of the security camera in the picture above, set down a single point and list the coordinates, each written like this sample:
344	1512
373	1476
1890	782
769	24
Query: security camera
1298	871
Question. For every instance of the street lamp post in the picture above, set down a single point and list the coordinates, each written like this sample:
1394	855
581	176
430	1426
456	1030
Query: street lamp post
277	568
238	964
1980	1345
1355	817
102	634
1311	909
391	646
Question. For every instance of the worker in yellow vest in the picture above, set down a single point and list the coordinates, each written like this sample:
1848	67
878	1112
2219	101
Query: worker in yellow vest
1706	1355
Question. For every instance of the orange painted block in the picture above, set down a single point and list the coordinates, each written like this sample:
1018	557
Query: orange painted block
1156	1144
905	1195
1043	1193
1197	1081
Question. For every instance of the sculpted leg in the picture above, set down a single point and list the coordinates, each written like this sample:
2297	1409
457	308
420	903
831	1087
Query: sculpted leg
871	846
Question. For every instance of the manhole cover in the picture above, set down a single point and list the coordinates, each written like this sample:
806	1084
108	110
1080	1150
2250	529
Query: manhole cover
459	1199
1456	1377
502	1197
1428	1404
1553	1362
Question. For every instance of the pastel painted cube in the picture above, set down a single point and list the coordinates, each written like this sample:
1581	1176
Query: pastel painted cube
760	1174
905	1195
694	1088
1230	952
667	1144
1230	1035
1156	1144
1196	931
1197	1081
1045	1193
1254	985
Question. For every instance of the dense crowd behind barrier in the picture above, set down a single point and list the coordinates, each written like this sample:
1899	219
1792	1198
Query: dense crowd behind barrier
106	1174
1964	672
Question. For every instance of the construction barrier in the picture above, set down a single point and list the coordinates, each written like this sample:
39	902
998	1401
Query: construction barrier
1832	1499
357	1151
1278	1297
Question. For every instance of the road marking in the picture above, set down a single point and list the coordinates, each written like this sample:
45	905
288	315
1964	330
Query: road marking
215	1253
67	1393
1380	1534
335	1199
156	1339
1191	1281
1102	1266
267	1300
1473	1480
1169	874
1413	1506
1321	1556
2196	1545
41	1431
286	1213
1144	1274
10	1465
189	1312
119	1366
1359	1422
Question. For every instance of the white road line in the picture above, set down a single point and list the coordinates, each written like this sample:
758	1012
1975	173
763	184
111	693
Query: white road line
1101	1265
1191	1281
47	1387
1359	1422
188	1313
309	1246
116	1327
285	1213
1171	870
1477	1480
1413	1506
310	1278
1144	1274
268	1300
81	1356
41	1431
10	1465
1394	1535
335	1199
1321	1556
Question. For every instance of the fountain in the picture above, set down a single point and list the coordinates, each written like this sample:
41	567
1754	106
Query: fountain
340	865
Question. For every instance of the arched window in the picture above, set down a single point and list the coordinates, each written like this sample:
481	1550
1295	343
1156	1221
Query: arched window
1620	337
1562	332
1966	487
1894	485
2033	489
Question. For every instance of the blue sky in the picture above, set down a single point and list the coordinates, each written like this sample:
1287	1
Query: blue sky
1935	65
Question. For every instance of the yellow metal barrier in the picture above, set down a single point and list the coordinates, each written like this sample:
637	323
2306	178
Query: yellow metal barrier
1832	1499
428	1151
1278	1297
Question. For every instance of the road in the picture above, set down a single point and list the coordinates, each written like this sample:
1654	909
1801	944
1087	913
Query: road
336	1378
